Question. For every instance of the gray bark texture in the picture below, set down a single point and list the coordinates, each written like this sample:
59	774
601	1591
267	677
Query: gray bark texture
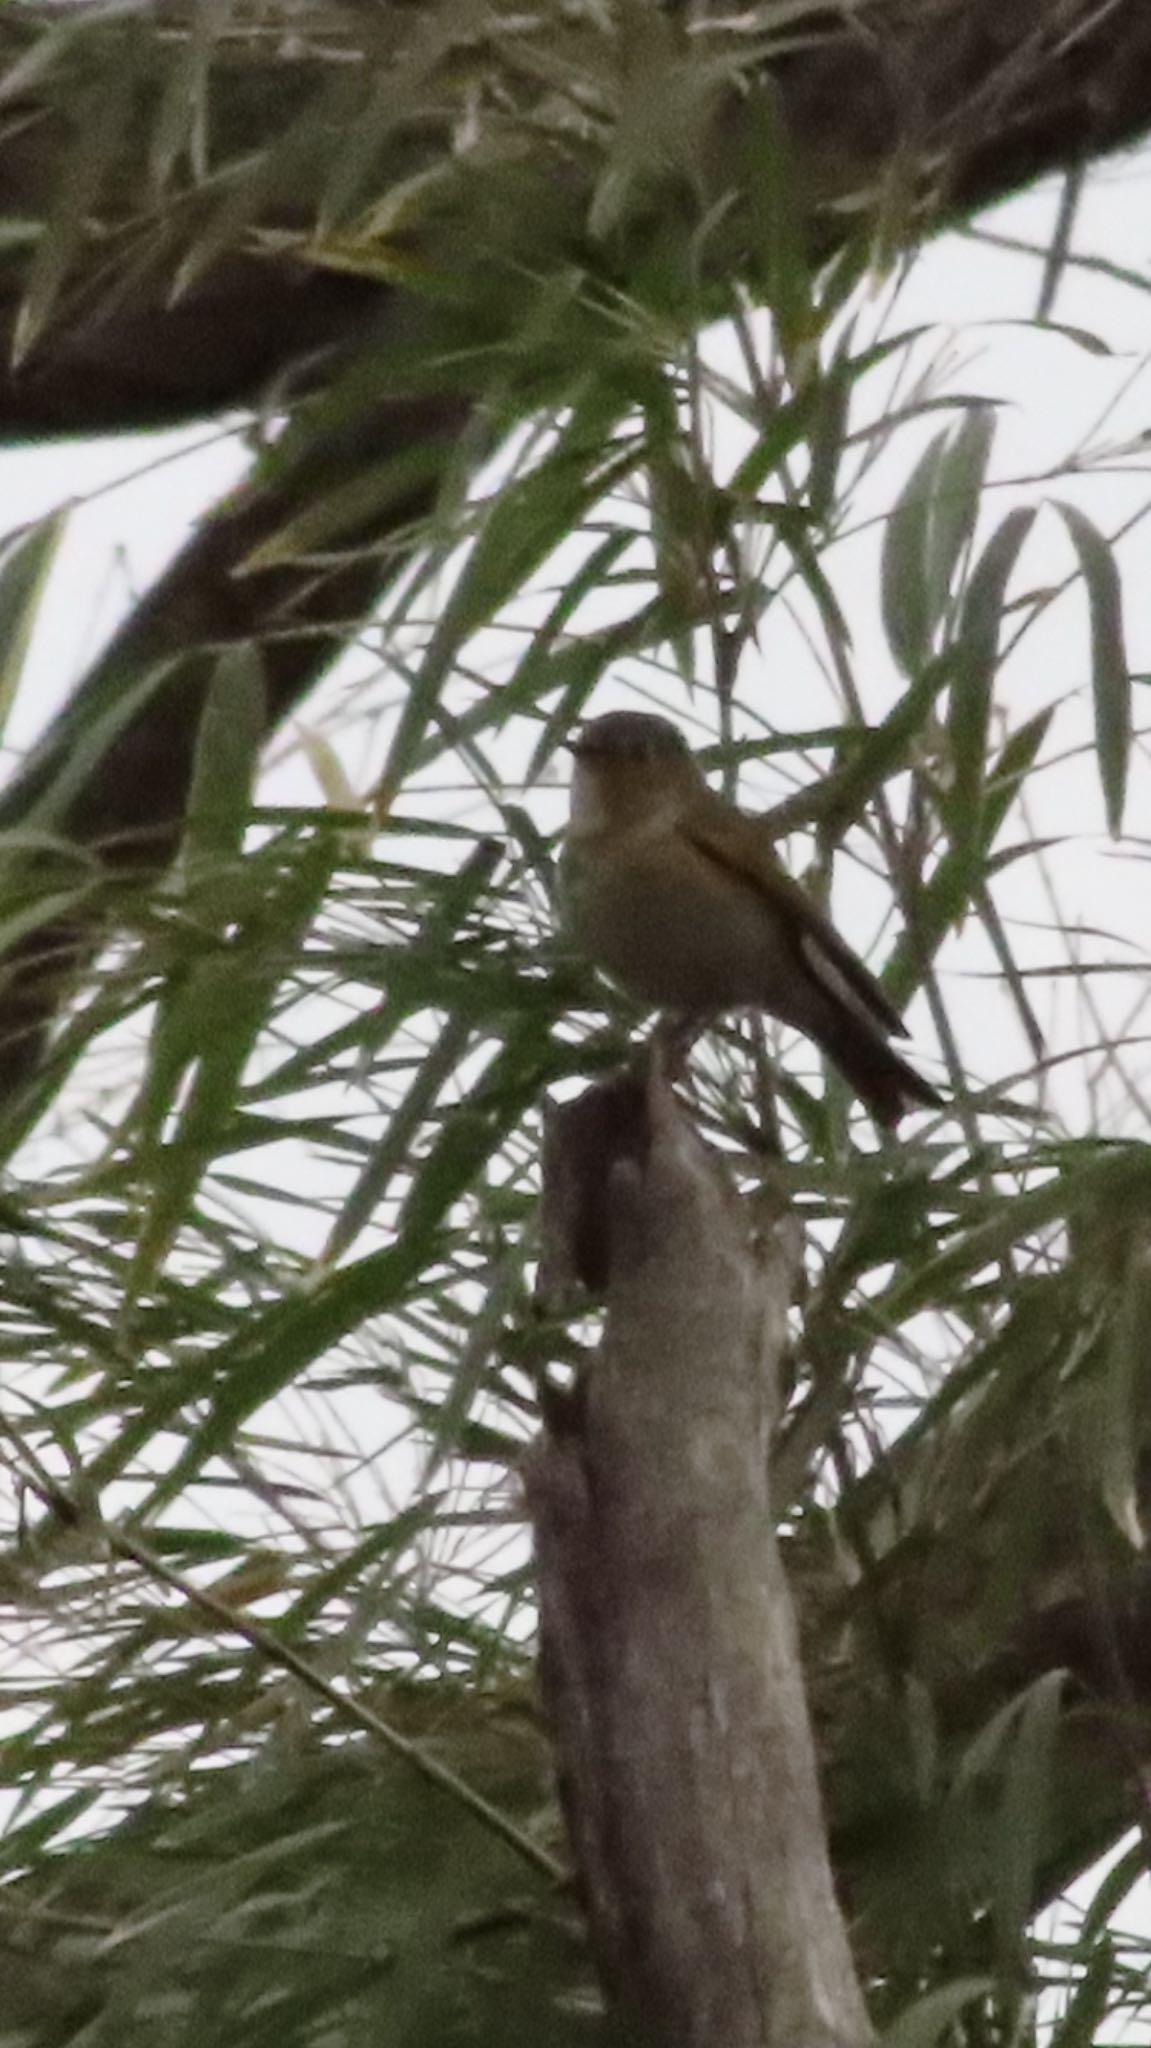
669	1652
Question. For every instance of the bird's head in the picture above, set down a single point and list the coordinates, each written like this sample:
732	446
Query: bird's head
630	765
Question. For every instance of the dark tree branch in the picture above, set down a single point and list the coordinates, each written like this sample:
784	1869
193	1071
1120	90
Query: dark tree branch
129	809
943	105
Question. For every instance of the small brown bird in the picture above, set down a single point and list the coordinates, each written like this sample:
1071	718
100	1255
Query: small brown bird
680	898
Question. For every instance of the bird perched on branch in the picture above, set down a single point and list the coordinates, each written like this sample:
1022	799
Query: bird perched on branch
680	898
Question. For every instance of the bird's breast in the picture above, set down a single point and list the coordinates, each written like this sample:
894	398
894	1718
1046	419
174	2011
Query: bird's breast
673	928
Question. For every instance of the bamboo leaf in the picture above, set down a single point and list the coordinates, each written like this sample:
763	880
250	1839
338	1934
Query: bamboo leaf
181	121
1023	1819
206	1028
253	186
524	523
25	566
1110	670
827	439
101	122
881	752
779	225
38	62
1090	2001
904	589
957	492
360	501
932	2019
976	657
233	724
1115	1174
1122	1403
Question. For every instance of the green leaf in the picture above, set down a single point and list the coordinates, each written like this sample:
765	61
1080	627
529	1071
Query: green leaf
359	502
786	427
778	224
1110	670
524	523
37	63
961	876
24	1843
1115	1174
180	128
827	438
393	1153
207	1024
233	725
100	124
1090	2002
254	185
61	765
928	530
472	1366
904	593
877	754
1017	757
956	496
276	1347
535	675
1022	1827
976	660
931	2019
1123	1403
574	671
25	566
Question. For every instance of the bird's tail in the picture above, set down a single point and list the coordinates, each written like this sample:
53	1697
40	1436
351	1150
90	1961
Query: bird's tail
887	1084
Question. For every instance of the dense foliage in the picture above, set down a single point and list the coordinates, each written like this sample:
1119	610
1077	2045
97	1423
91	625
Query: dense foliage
272	1767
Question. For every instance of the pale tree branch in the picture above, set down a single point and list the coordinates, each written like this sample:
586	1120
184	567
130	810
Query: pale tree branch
669	1654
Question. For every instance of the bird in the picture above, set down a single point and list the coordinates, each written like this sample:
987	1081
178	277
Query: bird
680	898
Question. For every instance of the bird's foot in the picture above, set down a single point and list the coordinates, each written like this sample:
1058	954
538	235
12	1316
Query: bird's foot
670	1044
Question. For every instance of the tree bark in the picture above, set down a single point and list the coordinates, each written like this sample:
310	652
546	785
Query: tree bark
146	693
669	1653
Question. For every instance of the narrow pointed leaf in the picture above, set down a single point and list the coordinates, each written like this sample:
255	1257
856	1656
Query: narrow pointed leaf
976	657
778	224
930	2022
25	567
1110	670
1023	1819
903	566
525	522
1123	1402
102	120
957	490
233	724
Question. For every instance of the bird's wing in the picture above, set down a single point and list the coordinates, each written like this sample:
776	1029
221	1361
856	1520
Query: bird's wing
740	845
